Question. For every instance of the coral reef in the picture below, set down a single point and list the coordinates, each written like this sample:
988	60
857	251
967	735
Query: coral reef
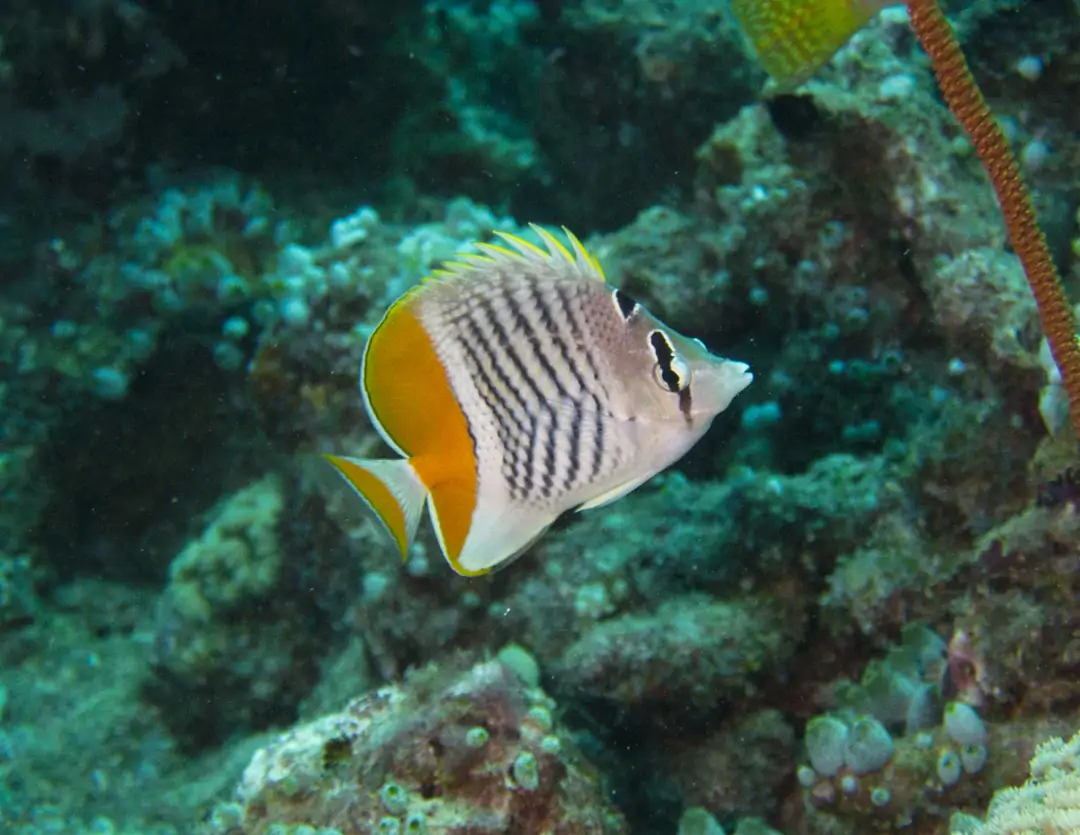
693	653
239	632
1047	802
450	750
851	610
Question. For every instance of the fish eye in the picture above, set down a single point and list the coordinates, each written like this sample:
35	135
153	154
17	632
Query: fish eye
671	371
674	378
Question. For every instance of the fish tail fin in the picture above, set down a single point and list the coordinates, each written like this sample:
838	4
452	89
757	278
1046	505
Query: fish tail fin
795	38
391	488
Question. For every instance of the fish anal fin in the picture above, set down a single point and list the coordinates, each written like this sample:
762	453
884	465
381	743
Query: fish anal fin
452	504
496	534
391	488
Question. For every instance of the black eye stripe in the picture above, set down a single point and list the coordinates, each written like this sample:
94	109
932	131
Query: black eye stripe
665	356
627	305
661	348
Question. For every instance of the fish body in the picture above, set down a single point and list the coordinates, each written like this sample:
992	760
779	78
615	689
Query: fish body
793	39
516	385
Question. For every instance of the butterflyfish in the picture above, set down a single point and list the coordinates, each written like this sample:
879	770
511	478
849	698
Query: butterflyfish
793	39
516	384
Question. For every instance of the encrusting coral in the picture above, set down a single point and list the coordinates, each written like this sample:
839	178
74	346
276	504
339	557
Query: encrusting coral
450	750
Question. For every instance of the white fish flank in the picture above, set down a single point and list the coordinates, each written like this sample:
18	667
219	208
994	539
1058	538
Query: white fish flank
521	336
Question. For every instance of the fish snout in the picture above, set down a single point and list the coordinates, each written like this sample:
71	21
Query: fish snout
721	383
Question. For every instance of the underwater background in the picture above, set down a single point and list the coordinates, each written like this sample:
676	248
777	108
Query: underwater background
851	608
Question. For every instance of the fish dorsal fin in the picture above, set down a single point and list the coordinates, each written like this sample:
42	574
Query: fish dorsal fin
517	250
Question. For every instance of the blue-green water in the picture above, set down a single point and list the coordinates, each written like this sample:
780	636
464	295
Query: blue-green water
850	608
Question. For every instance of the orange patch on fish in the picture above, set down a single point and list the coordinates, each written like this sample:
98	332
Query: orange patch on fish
410	396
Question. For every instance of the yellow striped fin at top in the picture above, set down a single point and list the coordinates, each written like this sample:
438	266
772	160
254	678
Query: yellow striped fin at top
515	248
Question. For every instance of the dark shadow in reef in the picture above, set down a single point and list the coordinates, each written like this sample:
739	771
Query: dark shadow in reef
129	478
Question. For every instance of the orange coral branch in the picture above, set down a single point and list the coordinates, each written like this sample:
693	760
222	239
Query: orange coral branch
966	101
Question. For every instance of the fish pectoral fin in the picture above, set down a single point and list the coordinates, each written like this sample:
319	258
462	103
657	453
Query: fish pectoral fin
497	536
616	492
391	488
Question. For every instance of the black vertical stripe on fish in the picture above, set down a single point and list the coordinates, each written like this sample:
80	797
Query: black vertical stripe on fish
510	457
574	464
541	354
475	331
506	345
543	443
522	323
685	403
547	321
551	448
538	455
627	305
506	411
598	445
569	306
665	356
505	418
570	313
530	456
508	349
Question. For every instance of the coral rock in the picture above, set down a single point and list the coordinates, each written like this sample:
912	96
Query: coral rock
412	755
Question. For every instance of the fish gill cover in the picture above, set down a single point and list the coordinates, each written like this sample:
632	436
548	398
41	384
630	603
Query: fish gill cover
850	607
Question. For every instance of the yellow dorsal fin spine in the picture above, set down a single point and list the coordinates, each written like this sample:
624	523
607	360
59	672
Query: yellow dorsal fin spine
585	258
519	249
554	245
496	251
523	248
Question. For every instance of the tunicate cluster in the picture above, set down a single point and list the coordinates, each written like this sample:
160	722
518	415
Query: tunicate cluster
863	747
889	739
964	727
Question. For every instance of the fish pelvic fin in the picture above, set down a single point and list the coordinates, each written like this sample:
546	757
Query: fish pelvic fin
391	488
793	39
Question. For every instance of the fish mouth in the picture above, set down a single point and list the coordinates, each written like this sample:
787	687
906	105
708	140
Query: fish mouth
739	373
741	368
722	383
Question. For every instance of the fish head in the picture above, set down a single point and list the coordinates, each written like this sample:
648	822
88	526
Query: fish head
679	379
